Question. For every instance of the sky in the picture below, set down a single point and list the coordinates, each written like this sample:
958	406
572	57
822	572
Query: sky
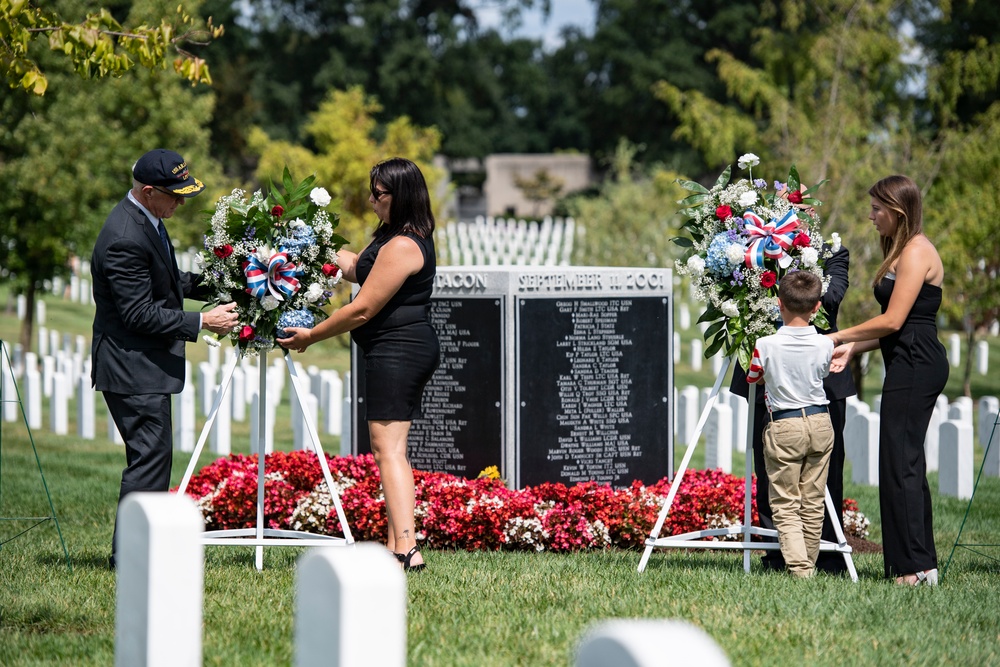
564	12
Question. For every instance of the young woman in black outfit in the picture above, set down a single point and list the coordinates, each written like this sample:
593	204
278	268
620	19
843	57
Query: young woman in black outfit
388	319
908	287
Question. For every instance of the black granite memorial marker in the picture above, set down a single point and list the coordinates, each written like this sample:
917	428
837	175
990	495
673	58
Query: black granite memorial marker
593	386
462	428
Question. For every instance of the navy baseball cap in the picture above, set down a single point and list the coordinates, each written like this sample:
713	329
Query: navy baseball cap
168	170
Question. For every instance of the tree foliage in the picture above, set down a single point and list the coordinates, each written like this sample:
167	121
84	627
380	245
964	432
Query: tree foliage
97	45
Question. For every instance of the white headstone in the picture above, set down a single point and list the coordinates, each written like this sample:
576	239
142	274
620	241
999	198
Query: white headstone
54	339
238	393
677	347
32	398
988	408
346	442
220	439
160	572
85	400
961	410
995	328
348	601
719	438
333	393
955	463
48	370
213	356
954	350
40	312
206	386
696	352
861	446
43	341
59	405
683	316
185	413
741	415
255	434
81	346
8	389
640	643
982	357
300	427
877	404
22	306
114	435
687	413
86	297
717	364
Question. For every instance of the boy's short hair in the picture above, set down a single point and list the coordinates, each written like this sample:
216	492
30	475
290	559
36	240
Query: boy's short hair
799	292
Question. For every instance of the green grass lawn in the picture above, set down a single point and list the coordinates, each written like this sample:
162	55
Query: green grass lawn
486	608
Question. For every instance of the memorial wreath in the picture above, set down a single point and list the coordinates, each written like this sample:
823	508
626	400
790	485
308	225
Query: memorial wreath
275	255
744	237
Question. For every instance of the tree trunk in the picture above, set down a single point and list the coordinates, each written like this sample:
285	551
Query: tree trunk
28	324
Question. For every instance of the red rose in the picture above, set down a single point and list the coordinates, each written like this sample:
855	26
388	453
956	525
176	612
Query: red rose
767	279
801	241
795	197
279	211
246	333
330	270
723	213
223	251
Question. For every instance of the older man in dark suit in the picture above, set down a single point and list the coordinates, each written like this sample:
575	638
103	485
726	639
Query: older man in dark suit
838	387
140	326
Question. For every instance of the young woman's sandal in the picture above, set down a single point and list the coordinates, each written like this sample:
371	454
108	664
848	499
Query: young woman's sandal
407	557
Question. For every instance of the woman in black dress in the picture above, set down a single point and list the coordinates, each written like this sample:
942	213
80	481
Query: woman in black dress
908	287
388	319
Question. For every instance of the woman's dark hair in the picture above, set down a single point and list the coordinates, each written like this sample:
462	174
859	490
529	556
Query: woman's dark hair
410	209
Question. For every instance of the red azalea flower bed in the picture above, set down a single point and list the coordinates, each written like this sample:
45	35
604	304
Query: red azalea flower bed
453	512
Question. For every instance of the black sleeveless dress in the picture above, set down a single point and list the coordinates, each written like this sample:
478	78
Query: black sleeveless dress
916	369
400	346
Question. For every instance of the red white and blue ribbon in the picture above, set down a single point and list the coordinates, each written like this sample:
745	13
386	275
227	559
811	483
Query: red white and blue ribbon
770	240
277	277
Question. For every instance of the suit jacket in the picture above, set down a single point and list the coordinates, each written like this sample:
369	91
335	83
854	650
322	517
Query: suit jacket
837	385
140	326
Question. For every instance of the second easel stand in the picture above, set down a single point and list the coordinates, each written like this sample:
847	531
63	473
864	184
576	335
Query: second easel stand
697	539
259	536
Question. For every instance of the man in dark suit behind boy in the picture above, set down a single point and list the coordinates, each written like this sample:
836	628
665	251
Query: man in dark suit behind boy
140	327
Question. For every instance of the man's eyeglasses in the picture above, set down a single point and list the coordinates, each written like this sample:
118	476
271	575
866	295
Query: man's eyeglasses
378	194
167	192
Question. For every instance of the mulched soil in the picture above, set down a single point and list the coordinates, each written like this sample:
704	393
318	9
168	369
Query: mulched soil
861	546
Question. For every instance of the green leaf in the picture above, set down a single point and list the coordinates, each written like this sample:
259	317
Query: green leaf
793	179
715	328
694	200
692	186
710	315
744	355
815	187
683	242
715	346
724	176
286	180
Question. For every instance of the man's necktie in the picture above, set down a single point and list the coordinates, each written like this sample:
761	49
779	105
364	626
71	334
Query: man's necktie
163	237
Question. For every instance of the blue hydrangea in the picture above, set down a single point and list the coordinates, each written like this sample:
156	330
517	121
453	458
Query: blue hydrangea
294	318
715	258
299	239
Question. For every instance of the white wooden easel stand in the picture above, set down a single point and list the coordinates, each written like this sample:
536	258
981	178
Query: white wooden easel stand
696	539
260	536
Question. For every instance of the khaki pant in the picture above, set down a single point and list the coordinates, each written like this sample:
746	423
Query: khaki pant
797	456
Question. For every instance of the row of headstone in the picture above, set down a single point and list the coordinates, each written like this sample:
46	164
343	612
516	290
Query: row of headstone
347	600
982	360
725	428
498	242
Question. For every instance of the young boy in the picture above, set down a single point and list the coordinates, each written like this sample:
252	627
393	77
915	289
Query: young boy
799	437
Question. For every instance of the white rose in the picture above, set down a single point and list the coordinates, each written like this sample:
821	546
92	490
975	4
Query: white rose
735	253
296	223
268	302
314	293
729	308
696	265
835	238
748	199
748	160
809	257
320	197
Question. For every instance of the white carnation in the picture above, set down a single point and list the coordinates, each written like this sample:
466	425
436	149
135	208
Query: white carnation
748	160
835	239
735	253
729	308
314	293
320	197
296	223
748	199
809	257
696	265
268	302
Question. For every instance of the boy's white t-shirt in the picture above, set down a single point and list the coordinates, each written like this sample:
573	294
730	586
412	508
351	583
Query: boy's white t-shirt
793	362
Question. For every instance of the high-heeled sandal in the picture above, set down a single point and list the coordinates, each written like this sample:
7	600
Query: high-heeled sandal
407	557
928	577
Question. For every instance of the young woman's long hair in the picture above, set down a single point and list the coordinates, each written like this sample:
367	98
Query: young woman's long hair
901	196
410	209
